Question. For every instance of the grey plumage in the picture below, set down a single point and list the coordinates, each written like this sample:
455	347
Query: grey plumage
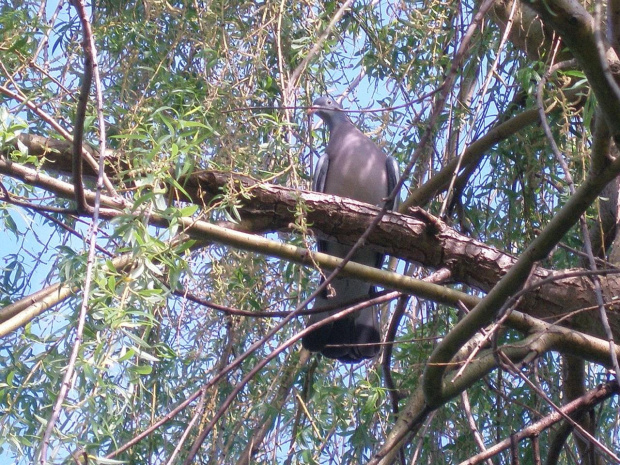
353	166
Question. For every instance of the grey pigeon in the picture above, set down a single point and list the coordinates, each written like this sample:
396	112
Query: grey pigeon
353	166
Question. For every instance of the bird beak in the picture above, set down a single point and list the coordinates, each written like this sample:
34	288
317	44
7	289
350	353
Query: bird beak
312	110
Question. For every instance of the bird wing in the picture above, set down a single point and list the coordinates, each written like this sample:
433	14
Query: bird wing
393	175
318	185
320	174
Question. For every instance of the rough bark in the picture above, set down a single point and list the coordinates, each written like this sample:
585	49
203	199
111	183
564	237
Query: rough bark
416	236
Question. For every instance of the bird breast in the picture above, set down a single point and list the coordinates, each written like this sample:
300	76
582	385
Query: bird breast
357	169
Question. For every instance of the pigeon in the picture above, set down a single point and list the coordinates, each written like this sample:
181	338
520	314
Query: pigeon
352	166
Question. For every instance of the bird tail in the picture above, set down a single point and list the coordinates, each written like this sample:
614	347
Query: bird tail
352	338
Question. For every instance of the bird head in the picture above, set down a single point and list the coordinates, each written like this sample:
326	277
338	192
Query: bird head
328	110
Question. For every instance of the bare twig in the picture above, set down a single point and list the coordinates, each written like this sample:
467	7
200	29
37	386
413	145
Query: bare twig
224	406
586	402
448	198
472	425
296	74
90	51
188	428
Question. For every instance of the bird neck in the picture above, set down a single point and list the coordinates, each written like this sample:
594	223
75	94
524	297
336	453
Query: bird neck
336	120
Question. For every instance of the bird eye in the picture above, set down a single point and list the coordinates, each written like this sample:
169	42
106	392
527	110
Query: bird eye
329	102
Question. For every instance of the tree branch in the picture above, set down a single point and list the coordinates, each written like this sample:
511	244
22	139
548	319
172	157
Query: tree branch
586	402
417	237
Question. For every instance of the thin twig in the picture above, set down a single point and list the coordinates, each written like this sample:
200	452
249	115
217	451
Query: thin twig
482	92
472	424
197	414
240	385
316	47
92	237
600	393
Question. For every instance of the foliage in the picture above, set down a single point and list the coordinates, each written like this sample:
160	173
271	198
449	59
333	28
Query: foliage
191	86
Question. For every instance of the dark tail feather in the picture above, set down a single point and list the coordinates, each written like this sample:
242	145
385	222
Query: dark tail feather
348	339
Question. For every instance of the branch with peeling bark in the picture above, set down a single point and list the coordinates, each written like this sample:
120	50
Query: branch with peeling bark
416	237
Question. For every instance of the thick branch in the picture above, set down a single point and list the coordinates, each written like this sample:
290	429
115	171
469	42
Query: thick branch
417	237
